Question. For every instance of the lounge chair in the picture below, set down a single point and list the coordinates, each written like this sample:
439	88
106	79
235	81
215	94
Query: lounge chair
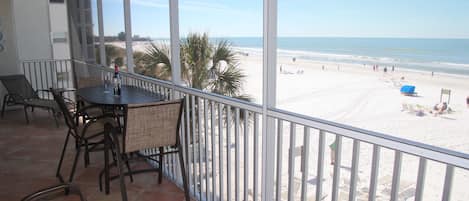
20	92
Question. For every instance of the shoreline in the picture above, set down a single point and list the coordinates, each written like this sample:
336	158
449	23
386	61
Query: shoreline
298	55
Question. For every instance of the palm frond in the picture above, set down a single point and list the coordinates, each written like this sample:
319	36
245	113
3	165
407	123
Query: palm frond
157	60
199	61
196	52
228	81
223	52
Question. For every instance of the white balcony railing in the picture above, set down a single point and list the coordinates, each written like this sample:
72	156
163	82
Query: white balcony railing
222	139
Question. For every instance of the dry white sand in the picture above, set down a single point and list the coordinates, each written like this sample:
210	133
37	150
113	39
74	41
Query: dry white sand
356	95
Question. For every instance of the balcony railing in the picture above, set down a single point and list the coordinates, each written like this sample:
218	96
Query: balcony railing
223	138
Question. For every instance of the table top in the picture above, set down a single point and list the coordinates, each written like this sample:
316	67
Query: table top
129	95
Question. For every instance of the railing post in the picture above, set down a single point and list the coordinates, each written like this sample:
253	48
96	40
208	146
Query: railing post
269	97
448	183
174	42
128	36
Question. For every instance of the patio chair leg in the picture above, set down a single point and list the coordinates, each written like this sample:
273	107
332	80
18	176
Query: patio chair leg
74	167
5	99
183	172
57	174
128	168
77	117
160	166
87	154
56	114
119	166
26	114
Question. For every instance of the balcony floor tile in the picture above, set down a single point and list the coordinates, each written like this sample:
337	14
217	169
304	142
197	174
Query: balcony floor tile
29	155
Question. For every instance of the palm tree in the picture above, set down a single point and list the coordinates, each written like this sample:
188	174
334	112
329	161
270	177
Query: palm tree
205	66
113	53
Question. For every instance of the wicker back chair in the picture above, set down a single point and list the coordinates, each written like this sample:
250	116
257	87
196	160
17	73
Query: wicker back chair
21	92
153	125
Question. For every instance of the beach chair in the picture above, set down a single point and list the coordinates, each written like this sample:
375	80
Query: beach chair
21	92
445	92
405	107
408	107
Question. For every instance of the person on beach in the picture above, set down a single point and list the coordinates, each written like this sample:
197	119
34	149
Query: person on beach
280	67
333	147
392	69
467	102
432	73
385	69
322	67
439	108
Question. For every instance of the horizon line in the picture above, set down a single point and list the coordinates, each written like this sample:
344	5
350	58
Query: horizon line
358	37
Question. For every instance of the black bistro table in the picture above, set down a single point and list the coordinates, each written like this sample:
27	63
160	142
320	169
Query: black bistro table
100	95
129	95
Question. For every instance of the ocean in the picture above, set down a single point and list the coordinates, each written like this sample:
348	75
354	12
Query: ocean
438	55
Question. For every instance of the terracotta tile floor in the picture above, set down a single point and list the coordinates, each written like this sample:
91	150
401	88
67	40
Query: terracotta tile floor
29	155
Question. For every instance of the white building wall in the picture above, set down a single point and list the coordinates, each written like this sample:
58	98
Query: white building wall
28	28
8	56
59	30
32	29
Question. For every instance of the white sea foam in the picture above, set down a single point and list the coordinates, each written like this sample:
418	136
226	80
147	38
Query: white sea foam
446	67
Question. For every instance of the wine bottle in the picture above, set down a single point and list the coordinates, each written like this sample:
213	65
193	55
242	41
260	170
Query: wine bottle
117	81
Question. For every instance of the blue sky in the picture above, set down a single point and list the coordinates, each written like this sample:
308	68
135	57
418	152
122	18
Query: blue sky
325	18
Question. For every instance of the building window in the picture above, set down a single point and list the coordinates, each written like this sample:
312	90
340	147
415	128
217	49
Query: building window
57	1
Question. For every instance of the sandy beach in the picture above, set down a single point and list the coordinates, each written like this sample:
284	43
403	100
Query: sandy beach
355	95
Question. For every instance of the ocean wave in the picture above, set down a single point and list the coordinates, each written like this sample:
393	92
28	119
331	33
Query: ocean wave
445	67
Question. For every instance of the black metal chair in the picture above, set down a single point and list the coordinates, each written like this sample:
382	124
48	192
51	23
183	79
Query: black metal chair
21	92
153	125
78	132
88	135
67	187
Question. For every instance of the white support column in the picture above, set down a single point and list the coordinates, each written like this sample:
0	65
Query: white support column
174	40
128	36
269	98
102	49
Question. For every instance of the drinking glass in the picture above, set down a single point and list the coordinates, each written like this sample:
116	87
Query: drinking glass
107	84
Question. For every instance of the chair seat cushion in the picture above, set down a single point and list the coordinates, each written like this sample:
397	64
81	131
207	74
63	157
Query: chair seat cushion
94	127
45	103
93	112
